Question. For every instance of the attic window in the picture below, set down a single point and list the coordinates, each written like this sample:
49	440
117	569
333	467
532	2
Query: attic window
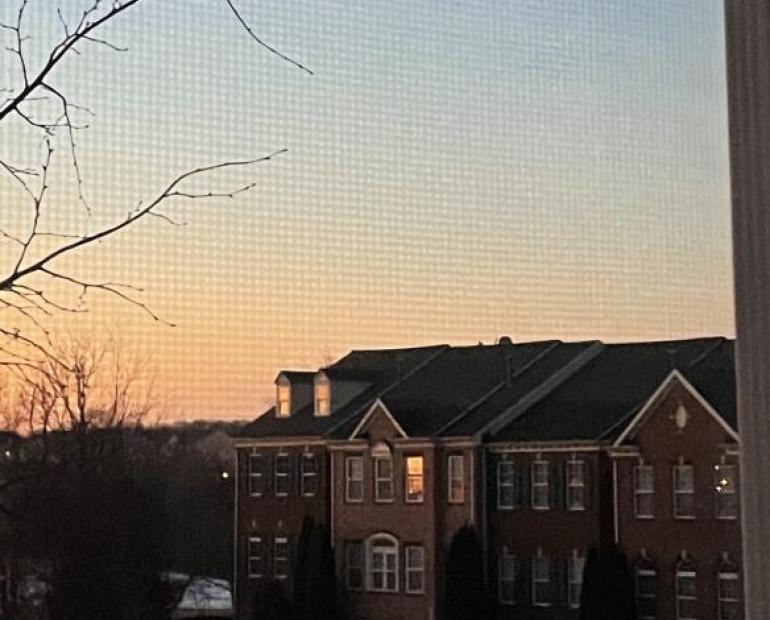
283	398
323	393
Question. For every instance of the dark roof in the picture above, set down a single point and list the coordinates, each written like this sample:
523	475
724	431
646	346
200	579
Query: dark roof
305	376
601	398
585	390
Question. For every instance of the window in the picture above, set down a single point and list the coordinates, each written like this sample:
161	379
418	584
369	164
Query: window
256	474
309	475
646	593
576	491
506	578
354	565
541	580
415	569
382	564
281	557
506	489
323	395
644	492
283	398
729	594
456	479
684	492
255	557
726	496
540	485
282	471
575	567
414	479
383	479
354	479
686	592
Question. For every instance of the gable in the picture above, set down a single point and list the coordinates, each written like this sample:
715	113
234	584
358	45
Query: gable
378	423
681	405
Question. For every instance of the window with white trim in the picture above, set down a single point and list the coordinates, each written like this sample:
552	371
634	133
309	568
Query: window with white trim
575	564
415	482
323	395
540	493
725	491
542	586
283	398
255	557
382	563
256	474
415	569
729	594
383	479
576	491
506	578
646	586
282	473
354	565
456	478
354	479
644	492
506	487
686	591
309	475
684	491
281	557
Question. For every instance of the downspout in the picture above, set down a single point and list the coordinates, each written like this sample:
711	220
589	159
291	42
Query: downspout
235	536
615	515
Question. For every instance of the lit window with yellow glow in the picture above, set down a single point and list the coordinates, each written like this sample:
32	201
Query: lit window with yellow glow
323	394
415	483
283	404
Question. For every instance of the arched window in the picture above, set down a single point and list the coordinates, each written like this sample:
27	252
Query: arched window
686	590
646	586
728	590
382	563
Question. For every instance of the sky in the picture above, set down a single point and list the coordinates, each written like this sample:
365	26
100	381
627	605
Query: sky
456	172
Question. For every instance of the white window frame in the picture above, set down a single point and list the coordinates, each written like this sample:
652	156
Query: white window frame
389	550
726	575
645	572
307	475
386	480
351	566
252	476
540	556
504	483
409	476
722	490
506	574
251	557
455	462
412	568
683	492
575	565
322	406
685	574
282	475
350	479
544	465
572	487
281	542
640	492
283	398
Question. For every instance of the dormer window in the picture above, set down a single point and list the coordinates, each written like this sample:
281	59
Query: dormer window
323	395
283	398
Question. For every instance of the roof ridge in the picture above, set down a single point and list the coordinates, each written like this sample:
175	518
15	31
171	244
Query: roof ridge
542	389
442	348
497	387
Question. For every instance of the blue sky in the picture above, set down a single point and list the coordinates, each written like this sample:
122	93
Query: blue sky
456	171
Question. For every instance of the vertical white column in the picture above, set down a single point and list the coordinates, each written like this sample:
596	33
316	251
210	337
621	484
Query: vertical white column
748	68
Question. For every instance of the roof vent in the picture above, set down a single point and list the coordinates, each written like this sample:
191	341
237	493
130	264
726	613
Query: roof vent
505	341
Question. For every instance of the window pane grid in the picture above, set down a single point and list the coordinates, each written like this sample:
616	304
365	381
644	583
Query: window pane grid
415	569
282	468
540	500
256	474
575	579
726	496
383	479
541	580
684	491
575	485
255	557
414	479
505	485
729	594
456	479
354	479
309	477
686	597
646	594
644	491
506	588
281	557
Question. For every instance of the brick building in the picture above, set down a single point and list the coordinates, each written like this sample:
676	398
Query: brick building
548	449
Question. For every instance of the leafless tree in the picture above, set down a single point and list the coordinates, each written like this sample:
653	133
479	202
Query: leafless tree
52	118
